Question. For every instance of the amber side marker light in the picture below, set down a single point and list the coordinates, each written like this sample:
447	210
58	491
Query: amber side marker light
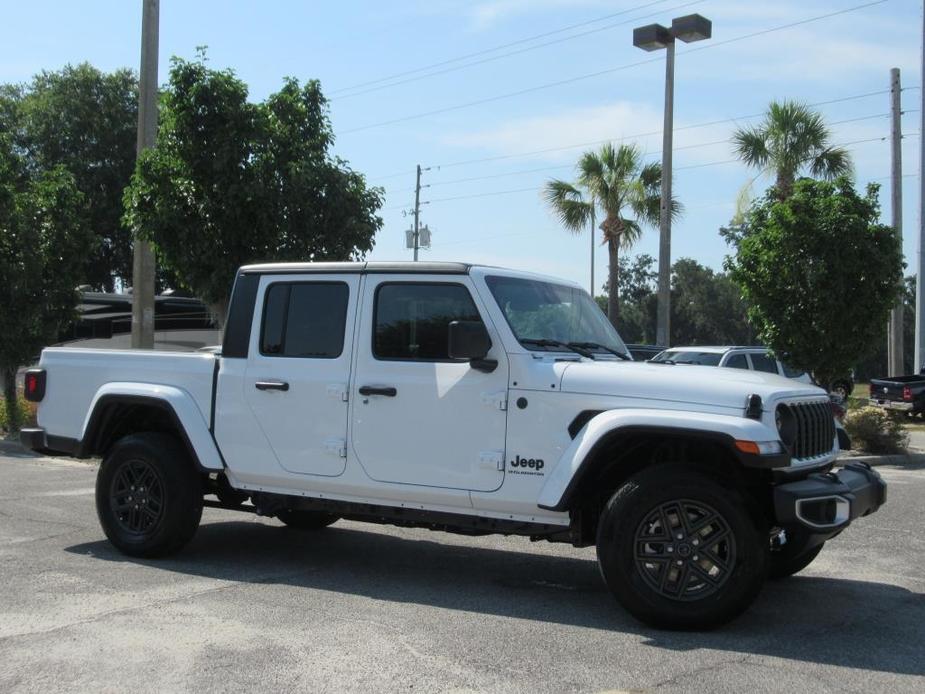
759	447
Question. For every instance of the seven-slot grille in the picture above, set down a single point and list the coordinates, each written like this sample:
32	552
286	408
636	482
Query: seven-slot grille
815	429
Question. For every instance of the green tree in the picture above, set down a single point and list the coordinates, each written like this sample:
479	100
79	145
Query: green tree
232	182
43	241
626	192
791	138
84	120
706	307
819	274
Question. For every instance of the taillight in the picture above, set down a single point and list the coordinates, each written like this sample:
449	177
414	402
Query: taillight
34	385
837	410
907	393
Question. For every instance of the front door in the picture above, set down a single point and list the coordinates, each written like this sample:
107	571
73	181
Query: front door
298	371
420	417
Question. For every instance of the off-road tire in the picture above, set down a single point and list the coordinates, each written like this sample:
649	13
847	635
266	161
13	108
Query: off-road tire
301	519
148	495
627	547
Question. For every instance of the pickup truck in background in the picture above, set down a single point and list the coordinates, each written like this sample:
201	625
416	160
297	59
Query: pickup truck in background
465	399
899	393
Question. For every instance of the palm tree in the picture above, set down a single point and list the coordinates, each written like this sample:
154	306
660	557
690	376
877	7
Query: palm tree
791	138
627	192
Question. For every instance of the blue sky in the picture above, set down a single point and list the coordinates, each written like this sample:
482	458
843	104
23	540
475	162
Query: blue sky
354	42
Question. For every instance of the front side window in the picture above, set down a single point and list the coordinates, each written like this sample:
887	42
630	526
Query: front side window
411	320
304	319
537	310
764	362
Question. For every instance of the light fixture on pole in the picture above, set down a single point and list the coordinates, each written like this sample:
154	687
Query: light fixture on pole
653	37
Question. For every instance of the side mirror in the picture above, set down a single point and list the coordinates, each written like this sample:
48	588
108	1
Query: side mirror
468	339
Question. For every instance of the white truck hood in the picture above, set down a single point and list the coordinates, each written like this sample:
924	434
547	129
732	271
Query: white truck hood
710	386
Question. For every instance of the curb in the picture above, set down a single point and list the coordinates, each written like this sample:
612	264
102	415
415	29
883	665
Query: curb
910	458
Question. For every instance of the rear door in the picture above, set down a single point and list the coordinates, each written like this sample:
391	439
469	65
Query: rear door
298	371
420	417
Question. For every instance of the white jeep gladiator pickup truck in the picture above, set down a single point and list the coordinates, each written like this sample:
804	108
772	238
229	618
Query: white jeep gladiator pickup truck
467	399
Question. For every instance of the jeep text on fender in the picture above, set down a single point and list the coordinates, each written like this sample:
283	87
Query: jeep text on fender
466	399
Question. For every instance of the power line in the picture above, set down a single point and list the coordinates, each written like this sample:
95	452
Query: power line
547	150
693	126
677	168
495	48
454	68
570	166
578	78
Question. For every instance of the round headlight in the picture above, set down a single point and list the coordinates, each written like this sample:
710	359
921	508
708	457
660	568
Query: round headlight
786	425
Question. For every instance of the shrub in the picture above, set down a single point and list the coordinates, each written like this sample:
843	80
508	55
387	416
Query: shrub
875	431
26	414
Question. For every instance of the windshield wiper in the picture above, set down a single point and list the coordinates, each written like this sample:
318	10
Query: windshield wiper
596	345
571	346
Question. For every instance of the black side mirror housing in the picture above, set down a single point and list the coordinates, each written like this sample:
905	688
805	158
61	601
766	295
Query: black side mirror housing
468	339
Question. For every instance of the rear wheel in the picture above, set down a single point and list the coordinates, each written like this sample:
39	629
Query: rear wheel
301	519
680	551
148	495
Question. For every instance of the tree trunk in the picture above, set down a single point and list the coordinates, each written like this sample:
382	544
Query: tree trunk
784	185
613	275
13	422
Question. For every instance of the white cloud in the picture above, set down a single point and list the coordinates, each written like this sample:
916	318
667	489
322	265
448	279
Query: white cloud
622	121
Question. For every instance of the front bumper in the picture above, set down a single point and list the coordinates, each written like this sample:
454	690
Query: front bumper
825	503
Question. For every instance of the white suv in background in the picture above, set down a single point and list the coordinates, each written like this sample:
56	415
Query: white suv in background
747	358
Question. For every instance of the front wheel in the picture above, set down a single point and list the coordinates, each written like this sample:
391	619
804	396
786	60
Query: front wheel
680	551
148	495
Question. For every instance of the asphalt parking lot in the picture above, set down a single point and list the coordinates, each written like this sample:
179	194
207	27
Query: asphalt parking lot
252	606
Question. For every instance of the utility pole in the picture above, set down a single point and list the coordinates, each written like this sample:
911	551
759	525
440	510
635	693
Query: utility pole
143	254
896	365
920	274
417	213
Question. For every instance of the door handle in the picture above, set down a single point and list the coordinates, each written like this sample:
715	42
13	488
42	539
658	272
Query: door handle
388	391
271	385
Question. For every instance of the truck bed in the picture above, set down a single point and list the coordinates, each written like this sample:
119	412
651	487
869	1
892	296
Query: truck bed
76	375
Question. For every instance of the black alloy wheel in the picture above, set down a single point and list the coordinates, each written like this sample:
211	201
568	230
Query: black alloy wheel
685	550
136	496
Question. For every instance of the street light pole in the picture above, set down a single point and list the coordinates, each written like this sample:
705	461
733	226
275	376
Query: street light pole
142	253
653	37
663	327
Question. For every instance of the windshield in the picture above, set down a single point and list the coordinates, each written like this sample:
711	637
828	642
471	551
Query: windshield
690	357
538	310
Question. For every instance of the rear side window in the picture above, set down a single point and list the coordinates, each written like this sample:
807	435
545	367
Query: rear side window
411	321
737	361
304	319
764	362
